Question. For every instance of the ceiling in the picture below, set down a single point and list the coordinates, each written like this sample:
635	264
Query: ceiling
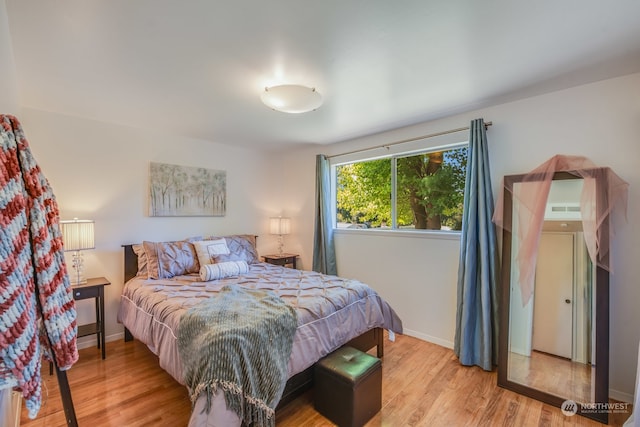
197	67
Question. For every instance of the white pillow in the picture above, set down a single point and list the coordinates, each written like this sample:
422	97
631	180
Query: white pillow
207	250
222	270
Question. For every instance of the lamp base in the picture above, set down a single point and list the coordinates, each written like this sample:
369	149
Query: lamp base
76	276
280	244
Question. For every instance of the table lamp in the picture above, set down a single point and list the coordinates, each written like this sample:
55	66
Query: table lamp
77	236
280	226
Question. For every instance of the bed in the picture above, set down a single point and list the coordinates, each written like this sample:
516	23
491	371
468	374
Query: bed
331	311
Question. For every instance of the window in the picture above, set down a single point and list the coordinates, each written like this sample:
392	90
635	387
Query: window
423	191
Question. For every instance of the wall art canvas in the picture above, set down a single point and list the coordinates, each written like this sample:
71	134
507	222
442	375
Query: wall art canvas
186	191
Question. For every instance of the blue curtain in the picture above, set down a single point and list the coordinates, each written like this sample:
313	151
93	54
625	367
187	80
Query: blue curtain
476	339
324	254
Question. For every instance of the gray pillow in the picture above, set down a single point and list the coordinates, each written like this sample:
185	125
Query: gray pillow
168	259
241	248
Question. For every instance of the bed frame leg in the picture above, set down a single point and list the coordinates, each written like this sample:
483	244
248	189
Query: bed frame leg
380	342
127	335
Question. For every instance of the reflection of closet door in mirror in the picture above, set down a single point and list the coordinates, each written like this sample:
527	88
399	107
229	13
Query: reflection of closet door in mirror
553	295
548	346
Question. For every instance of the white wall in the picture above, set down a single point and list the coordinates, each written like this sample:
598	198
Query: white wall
418	275
99	171
8	83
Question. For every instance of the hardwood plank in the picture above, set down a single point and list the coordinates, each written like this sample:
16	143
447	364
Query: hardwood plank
423	385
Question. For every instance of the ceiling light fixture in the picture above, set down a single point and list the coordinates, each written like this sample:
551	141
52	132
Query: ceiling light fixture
293	99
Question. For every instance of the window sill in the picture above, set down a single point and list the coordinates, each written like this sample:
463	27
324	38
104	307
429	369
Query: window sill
415	234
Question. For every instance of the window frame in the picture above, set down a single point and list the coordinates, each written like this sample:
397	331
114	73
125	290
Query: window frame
393	158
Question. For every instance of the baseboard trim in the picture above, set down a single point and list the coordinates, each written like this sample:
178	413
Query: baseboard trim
620	395
92	341
429	338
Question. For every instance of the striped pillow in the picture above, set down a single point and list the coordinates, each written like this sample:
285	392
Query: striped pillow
222	270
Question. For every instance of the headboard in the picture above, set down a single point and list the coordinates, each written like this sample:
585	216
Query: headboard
130	263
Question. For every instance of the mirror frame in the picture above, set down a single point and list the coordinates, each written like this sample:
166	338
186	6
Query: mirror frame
601	288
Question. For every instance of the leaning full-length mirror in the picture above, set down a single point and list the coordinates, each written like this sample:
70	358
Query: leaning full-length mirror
554	342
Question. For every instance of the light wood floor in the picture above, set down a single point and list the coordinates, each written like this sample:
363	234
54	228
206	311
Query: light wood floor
423	385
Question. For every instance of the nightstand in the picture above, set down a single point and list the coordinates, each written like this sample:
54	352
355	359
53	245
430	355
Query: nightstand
94	288
283	259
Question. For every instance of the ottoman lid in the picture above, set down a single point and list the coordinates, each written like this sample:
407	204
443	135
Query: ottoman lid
349	363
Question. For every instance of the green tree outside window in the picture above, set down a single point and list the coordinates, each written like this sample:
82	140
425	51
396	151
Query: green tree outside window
429	191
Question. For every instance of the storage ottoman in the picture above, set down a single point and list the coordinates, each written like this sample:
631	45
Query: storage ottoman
348	387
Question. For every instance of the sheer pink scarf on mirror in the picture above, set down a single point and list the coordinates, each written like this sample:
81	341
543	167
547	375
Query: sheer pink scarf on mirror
530	200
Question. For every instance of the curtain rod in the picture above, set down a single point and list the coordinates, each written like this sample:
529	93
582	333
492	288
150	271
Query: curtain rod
404	141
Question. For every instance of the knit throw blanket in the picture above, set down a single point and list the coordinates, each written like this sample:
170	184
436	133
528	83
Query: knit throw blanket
239	342
34	285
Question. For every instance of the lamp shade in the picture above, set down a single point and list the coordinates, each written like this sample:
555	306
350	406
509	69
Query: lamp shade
293	99
77	234
279	225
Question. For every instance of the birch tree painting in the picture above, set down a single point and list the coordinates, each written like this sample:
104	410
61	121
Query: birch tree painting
186	191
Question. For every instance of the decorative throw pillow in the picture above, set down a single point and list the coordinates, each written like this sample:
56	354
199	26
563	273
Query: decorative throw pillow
138	249
207	250
222	270
168	259
241	248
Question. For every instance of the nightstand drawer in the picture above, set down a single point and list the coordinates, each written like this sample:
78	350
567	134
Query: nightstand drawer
83	293
281	259
287	260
